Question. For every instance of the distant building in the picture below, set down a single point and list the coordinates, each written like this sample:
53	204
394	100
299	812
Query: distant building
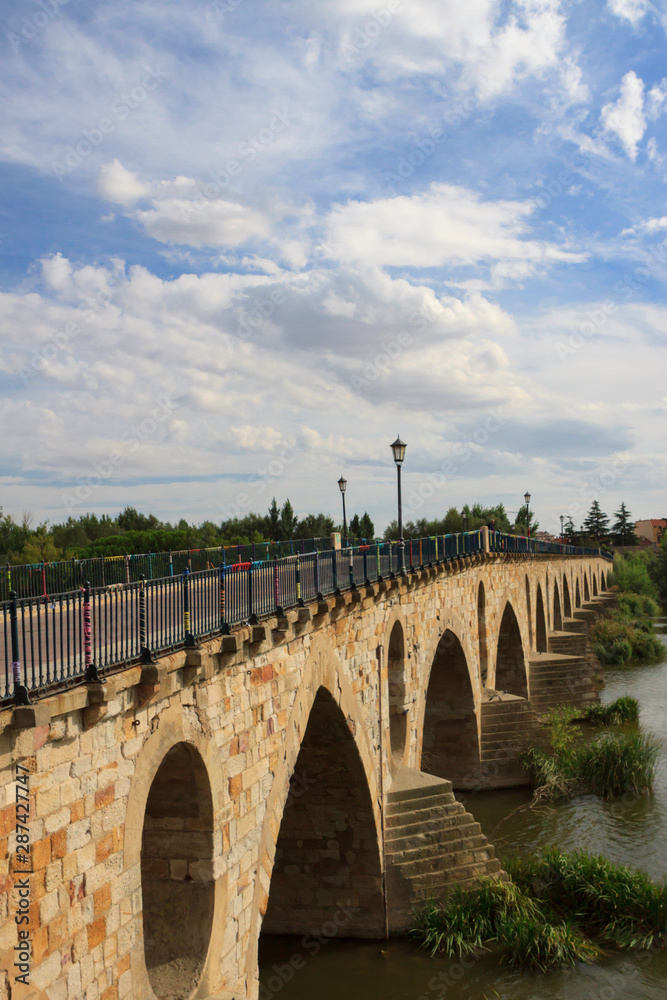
650	532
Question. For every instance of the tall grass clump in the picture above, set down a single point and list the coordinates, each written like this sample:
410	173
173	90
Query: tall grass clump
618	763
624	709
501	914
614	763
613	905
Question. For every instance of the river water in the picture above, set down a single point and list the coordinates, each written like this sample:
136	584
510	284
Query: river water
632	832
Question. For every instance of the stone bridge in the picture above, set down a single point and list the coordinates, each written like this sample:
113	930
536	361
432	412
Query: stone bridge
295	776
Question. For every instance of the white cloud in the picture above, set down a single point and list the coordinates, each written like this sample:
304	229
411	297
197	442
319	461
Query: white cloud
630	10
626	118
120	185
446	225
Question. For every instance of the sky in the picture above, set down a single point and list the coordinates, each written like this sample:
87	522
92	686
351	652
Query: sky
243	244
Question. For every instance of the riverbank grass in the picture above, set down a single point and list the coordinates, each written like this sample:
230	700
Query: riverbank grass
613	763
627	632
557	909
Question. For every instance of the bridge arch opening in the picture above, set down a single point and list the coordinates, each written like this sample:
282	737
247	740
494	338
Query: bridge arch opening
398	710
558	614
587	593
577	594
177	886
540	623
450	746
327	874
529	611
510	662
595	585
567	603
481	631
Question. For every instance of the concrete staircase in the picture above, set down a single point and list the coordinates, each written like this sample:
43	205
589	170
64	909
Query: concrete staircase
431	844
508	723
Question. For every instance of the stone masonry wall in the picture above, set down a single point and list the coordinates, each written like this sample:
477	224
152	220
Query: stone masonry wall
85	761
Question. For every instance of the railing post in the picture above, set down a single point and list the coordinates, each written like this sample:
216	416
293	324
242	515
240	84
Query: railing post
252	617
145	654
90	673
189	638
366	580
351	567
222	583
377	560
318	591
334	571
21	696
297	573
276	588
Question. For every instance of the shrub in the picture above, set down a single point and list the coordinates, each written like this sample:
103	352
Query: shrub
624	709
631	574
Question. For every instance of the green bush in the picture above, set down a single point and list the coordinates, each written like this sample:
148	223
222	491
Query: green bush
631	574
624	709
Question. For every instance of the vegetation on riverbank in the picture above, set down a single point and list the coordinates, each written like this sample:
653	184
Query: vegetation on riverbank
557	909
613	763
627	631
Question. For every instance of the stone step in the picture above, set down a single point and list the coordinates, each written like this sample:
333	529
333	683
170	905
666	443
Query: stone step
464	854
408	816
427	826
399	807
411	784
468	839
449	876
489	748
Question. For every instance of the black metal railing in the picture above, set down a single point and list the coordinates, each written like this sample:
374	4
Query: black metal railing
70	636
45	578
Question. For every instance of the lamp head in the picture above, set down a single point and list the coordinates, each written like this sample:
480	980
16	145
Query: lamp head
342	484
398	448
526	497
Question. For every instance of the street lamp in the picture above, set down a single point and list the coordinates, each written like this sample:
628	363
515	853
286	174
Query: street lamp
463	513
398	451
526	497
562	518
342	486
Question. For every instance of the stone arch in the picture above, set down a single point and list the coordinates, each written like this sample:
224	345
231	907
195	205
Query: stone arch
558	614
327	866
450	739
511	673
482	634
177	783
541	644
587	593
529	613
397	686
595	584
567	603
577	594
322	670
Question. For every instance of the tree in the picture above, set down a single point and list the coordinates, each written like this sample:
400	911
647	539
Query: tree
366	527
623	527
132	520
274	522
288	521
596	523
569	529
354	529
523	526
315	526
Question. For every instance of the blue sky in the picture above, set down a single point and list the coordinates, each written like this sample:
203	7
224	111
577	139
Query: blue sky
243	244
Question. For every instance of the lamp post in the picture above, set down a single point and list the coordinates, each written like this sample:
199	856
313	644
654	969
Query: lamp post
398	451
342	486
562	518
465	518
526	497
